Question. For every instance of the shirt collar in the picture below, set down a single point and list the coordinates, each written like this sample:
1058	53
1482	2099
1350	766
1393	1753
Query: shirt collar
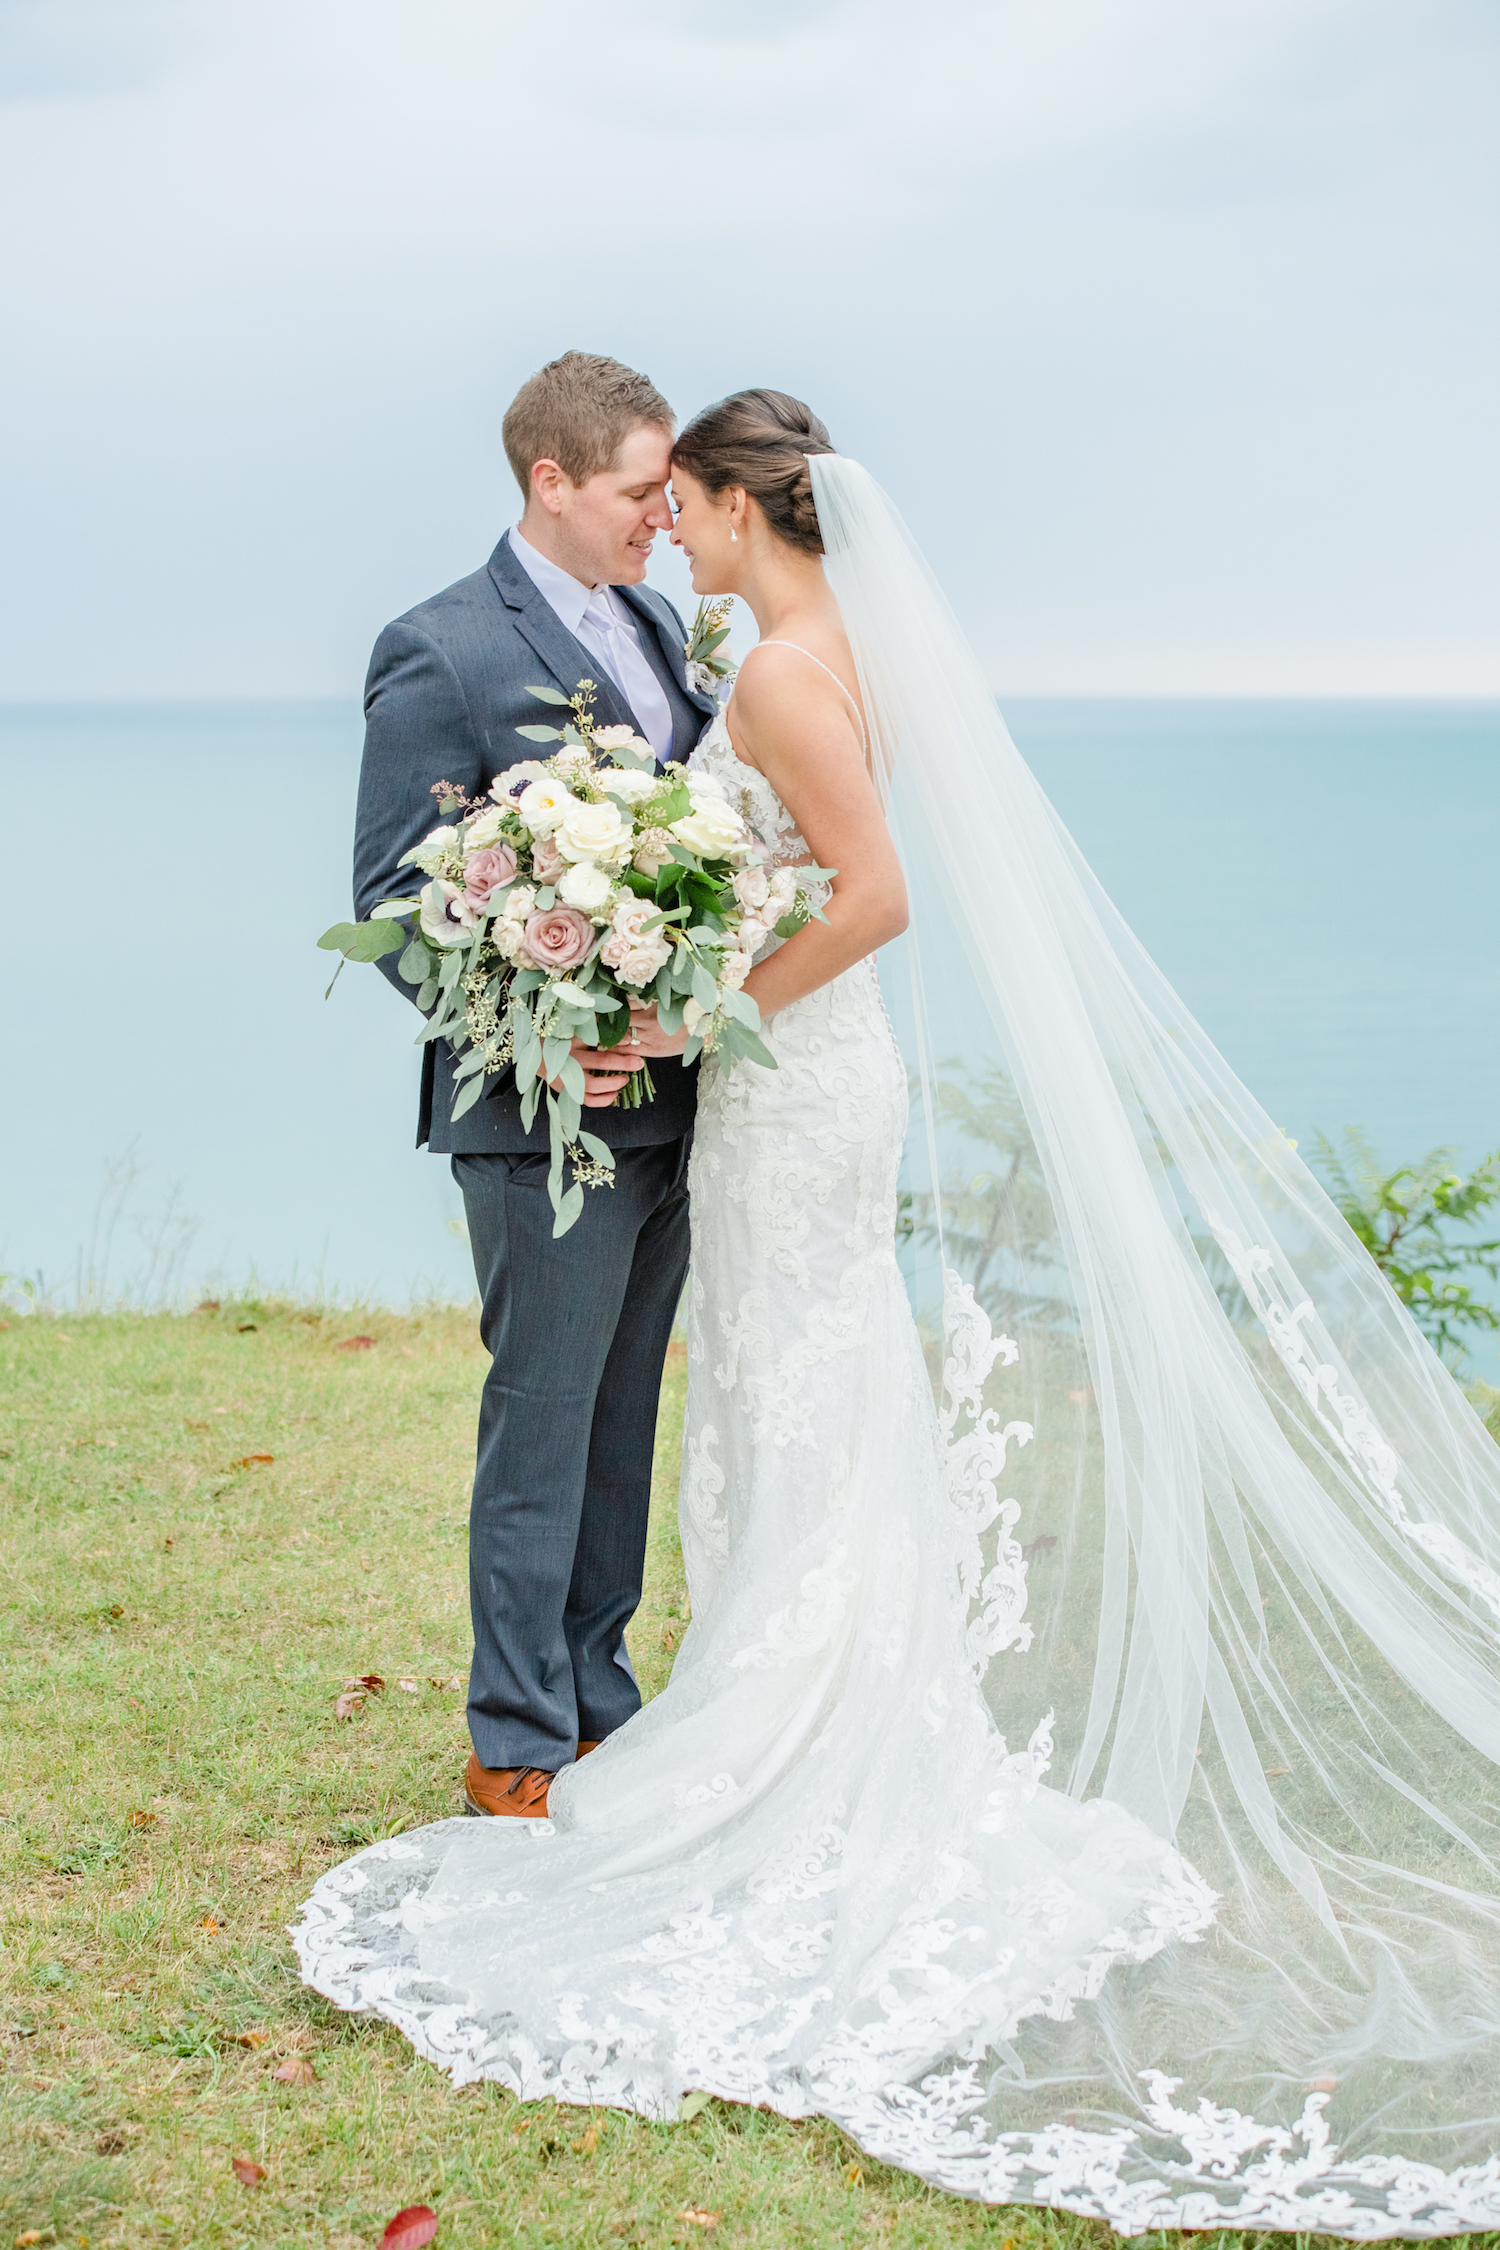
566	596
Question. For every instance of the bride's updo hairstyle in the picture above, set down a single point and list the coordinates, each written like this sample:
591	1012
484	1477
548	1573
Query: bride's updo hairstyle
761	440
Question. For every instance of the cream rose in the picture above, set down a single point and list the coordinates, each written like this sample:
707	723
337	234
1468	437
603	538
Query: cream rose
593	832
585	886
610	739
519	903
542	805
751	888
701	785
710	829
485	830
632	951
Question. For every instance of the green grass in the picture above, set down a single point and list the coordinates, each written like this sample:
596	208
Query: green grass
174	1628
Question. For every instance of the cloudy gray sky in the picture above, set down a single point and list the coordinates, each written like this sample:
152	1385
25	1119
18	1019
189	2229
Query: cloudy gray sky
1172	324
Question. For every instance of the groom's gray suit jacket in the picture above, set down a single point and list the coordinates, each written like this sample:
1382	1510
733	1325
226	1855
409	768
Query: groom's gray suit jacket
445	694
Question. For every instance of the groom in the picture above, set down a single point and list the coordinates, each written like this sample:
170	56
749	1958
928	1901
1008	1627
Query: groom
577	1328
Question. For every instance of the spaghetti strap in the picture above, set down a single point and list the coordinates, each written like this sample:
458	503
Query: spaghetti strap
864	740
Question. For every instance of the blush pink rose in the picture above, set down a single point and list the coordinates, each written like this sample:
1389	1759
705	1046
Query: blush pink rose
547	862
486	871
559	937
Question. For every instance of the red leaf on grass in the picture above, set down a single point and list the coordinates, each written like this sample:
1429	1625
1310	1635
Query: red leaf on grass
371	1682
143	1819
359	1344
247	2171
410	2228
248	1460
296	2071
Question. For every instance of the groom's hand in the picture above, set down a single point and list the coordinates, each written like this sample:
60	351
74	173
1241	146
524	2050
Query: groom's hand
603	1074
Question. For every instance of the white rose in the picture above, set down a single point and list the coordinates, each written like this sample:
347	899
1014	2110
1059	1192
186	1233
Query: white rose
710	829
701	785
751	888
752	935
593	831
627	784
735	970
572	759
484	831
446	915
508	938
520	900
542	805
692	1014
587	887
439	848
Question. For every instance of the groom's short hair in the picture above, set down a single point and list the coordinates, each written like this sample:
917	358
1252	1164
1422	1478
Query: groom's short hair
578	411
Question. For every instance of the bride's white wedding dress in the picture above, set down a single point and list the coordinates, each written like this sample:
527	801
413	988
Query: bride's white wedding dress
1265	1525
812	1871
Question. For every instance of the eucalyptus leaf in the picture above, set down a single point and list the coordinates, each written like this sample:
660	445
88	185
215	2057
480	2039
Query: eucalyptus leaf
570	1112
742	1008
412	966
550	695
693	1049
705	987
362	941
568	1210
599	1150
531	1094
540	734
571	1075
427	994
465	1098
757	1050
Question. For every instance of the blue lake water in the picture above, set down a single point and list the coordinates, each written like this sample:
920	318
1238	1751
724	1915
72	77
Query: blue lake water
1318	880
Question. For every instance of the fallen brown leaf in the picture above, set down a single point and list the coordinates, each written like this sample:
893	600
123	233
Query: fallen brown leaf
668	1637
247	2171
348	1706
246	1328
35	2234
210	1923
1322	2085
248	1460
371	1682
143	1820
852	2175
209	1304
697	2218
410	2228
360	1344
454	1680
296	2071
252	2038
168	1544
588	2142
1277	1773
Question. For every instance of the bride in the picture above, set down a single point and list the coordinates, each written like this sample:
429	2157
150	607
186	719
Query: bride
1124	1840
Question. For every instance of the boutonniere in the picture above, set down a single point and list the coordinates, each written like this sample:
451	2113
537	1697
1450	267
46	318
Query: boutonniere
705	668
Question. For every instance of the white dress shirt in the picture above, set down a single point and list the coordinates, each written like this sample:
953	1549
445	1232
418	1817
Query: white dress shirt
607	628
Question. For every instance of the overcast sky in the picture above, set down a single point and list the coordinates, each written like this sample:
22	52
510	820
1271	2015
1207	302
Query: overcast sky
1171	324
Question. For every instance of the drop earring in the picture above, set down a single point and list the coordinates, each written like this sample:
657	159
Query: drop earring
734	535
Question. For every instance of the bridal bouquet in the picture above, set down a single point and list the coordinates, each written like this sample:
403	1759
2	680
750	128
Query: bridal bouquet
583	886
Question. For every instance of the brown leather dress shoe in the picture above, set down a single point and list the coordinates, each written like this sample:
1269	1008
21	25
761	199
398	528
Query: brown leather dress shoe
506	1792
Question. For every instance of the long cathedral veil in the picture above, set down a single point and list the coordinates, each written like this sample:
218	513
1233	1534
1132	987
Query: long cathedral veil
1250	1559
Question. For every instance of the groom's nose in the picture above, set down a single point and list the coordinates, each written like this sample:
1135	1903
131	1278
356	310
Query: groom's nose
659	514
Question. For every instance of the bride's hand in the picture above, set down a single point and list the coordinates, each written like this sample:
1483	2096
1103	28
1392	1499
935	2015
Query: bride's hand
646	1037
603	1074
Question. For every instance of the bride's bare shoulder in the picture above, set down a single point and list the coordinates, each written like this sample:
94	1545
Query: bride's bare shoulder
787	697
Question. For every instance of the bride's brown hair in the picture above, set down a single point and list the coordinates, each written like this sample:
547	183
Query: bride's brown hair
761	440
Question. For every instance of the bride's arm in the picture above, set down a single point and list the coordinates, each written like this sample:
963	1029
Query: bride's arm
802	736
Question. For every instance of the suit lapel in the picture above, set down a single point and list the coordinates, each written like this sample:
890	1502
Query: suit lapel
563	657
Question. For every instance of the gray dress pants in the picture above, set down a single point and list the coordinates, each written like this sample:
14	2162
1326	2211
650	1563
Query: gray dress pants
577	1331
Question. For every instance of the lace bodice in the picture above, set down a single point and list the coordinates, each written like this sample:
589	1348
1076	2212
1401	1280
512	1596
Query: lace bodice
751	795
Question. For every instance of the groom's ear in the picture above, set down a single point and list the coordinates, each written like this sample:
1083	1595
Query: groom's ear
548	482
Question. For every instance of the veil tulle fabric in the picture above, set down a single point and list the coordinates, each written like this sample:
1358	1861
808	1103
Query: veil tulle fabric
1256	1537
